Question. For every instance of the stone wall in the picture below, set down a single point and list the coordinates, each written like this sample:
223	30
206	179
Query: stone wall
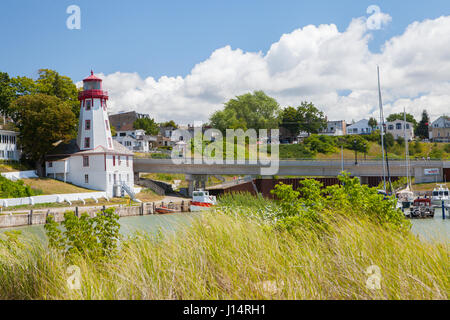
34	217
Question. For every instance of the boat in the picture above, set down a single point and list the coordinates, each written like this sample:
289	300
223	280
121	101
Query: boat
440	194
201	201
421	208
170	208
405	197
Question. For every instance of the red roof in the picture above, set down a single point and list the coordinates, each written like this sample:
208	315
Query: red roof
92	77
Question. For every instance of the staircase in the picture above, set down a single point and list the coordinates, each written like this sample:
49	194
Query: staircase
127	189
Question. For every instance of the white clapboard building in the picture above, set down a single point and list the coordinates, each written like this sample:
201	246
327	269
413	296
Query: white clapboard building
8	145
93	160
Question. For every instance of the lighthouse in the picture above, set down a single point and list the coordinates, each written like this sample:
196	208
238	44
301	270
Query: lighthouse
93	127
93	160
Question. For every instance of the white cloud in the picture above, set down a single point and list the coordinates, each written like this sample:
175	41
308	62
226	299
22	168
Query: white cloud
315	63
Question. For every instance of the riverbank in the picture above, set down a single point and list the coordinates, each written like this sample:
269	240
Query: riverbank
219	256
345	242
39	216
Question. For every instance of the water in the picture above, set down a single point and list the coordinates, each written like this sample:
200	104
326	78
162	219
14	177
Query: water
433	229
129	225
427	229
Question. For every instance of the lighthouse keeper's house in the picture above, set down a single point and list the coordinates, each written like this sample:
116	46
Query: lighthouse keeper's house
93	160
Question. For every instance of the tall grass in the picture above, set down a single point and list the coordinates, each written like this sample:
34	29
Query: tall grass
224	256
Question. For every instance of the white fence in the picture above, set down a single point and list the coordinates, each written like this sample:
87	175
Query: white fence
16	175
69	197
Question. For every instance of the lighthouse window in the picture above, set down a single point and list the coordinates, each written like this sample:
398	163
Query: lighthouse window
106	123
85	161
86	178
114	160
88	104
110	143
119	161
88	124
87	142
128	163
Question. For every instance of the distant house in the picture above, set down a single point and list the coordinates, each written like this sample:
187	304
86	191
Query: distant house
360	127
335	128
439	131
396	128
123	121
136	140
8	145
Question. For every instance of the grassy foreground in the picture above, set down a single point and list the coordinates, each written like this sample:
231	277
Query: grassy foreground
223	256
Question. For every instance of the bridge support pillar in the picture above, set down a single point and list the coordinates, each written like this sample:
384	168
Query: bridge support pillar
196	181
364	180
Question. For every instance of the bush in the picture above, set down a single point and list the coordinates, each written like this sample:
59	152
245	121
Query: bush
321	143
94	238
436	153
159	156
296	151
317	206
447	147
15	189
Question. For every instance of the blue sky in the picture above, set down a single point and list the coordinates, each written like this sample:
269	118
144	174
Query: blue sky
155	38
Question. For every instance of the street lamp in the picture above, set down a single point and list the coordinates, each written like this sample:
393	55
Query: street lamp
356	152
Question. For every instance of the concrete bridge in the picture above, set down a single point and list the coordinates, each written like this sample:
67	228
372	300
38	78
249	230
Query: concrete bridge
423	171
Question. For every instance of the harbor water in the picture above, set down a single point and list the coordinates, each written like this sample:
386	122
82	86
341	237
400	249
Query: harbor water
427	229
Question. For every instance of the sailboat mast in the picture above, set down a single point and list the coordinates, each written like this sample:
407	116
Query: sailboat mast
406	149
380	101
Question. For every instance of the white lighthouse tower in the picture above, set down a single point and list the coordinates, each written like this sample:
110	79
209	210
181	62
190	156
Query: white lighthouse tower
93	127
94	160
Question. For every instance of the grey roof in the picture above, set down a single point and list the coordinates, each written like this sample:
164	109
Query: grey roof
63	150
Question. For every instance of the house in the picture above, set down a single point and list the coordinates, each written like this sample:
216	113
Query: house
439	131
8	145
397	127
335	128
124	121
136	140
360	127
94	160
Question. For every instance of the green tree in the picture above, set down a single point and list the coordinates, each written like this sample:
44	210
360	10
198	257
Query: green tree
6	93
52	83
249	111
290	121
373	123
400	116
311	119
42	121
23	86
422	128
147	124
168	124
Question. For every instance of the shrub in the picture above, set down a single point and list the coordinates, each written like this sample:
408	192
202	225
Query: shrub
94	238
436	153
317	206
447	147
15	189
320	143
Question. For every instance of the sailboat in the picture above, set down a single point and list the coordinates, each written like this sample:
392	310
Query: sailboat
406	196
380	101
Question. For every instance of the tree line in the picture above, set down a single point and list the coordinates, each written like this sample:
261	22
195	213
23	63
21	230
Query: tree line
257	110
